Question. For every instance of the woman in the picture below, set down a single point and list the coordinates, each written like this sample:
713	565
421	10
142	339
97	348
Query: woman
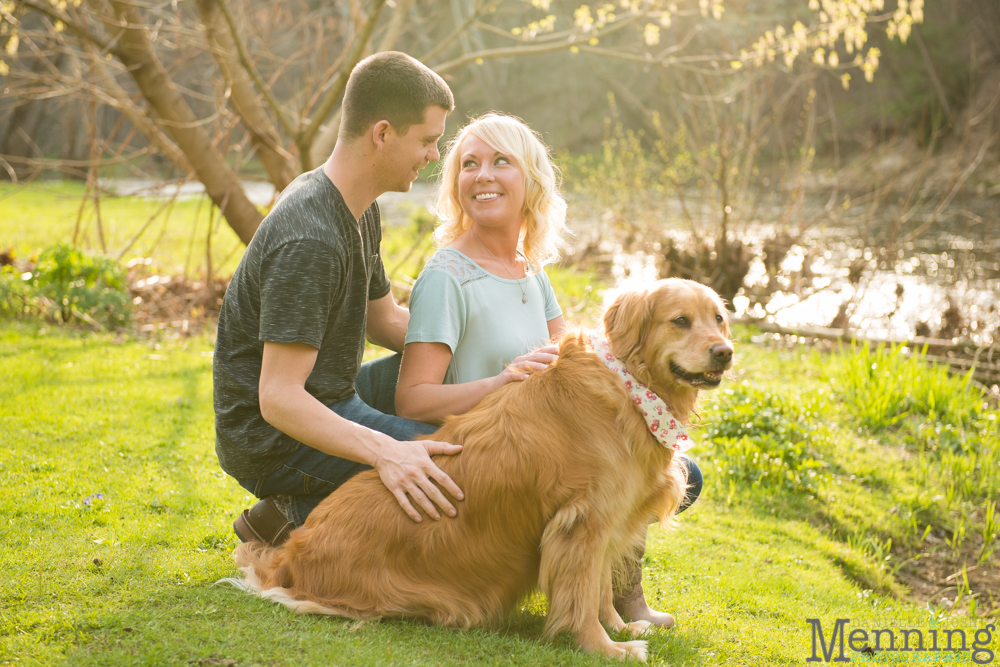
483	302
479	305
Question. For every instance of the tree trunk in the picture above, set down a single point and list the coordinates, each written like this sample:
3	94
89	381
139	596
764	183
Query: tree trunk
178	119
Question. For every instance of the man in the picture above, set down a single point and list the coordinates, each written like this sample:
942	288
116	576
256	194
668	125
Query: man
290	425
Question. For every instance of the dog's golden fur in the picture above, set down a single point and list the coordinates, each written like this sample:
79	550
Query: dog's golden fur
560	475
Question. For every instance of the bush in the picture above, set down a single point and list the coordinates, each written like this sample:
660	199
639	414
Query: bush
67	284
761	439
16	295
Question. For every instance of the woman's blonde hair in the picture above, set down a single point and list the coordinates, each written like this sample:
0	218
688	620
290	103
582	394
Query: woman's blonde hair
544	208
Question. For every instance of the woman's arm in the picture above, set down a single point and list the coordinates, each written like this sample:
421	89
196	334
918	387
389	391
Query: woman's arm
420	394
557	327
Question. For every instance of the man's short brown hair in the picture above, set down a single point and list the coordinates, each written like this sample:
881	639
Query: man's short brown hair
391	86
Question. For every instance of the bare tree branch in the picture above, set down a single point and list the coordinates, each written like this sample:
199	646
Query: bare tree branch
221	183
80	31
263	134
326	138
564	34
265	90
441	46
396	25
337	86
502	52
112	94
574	40
932	72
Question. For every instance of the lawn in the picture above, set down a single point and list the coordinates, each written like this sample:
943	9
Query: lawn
118	521
33	217
840	484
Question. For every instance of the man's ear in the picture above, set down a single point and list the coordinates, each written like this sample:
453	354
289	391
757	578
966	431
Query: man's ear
378	133
626	322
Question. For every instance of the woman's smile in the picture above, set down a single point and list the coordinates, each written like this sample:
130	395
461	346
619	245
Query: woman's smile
492	184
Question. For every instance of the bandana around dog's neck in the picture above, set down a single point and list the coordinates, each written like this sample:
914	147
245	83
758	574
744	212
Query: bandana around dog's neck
664	427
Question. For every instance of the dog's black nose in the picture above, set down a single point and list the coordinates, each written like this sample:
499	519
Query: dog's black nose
722	353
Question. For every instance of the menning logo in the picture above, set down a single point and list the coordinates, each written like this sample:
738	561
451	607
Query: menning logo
911	640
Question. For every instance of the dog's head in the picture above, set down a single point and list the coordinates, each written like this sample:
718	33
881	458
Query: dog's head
673	336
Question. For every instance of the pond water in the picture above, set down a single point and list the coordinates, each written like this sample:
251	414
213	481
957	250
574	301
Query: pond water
946	281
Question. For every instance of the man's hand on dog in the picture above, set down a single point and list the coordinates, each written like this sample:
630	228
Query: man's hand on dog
407	470
537	360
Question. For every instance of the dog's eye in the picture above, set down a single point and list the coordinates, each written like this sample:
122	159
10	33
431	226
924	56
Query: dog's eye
718	318
681	321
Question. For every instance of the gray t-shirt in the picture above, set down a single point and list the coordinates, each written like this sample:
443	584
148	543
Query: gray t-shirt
306	277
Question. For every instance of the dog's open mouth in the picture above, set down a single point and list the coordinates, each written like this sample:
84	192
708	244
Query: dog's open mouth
706	379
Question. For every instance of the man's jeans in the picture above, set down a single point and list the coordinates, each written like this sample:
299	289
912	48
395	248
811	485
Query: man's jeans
309	475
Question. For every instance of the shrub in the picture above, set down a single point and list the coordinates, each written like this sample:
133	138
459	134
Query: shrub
761	439
16	295
68	284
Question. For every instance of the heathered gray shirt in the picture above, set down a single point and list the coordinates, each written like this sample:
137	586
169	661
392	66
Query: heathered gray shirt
306	277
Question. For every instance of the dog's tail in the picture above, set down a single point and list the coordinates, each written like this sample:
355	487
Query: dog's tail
257	561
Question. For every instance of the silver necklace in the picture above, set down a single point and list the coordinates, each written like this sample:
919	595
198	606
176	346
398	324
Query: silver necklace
524	289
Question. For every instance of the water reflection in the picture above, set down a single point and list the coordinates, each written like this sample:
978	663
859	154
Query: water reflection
944	283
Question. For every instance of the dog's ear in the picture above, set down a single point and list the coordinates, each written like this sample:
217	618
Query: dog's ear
724	309
626	322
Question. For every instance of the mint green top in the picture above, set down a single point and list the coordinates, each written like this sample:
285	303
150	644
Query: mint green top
478	315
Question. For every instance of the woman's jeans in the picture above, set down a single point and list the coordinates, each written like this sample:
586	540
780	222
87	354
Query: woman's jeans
309	475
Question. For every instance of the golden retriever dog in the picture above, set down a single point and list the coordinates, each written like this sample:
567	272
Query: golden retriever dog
560	474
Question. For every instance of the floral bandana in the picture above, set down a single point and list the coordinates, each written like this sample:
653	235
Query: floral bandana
664	427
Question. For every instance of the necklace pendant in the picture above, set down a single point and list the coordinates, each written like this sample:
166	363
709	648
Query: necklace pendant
524	298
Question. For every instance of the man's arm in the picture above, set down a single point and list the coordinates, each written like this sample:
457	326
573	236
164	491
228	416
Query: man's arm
406	468
387	323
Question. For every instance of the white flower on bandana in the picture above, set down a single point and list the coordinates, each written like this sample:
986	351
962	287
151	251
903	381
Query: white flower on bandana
664	427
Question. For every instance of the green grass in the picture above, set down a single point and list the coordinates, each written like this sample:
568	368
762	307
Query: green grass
126	580
828	478
37	215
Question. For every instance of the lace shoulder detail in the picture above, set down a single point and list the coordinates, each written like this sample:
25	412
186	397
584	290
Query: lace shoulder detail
457	265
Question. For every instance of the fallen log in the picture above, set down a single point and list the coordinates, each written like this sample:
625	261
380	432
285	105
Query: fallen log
958	355
852	336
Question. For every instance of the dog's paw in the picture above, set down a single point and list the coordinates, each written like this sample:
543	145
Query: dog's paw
660	619
634	649
639	628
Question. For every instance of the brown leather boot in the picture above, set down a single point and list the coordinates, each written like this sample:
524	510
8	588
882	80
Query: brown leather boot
629	598
264	522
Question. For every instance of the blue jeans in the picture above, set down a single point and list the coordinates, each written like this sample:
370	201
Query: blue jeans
309	475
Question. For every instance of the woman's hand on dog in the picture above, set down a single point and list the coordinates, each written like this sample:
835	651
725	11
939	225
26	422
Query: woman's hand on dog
538	360
407	470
